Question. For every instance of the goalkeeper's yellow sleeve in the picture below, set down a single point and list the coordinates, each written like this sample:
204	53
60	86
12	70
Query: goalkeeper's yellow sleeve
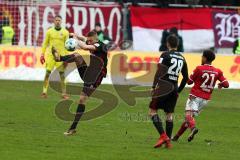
45	43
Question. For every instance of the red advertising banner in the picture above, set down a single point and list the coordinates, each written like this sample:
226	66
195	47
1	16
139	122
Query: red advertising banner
164	18
194	25
23	63
226	27
81	18
31	20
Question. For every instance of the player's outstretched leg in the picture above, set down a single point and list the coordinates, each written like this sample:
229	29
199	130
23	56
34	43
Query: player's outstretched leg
192	125
74	57
194	131
164	139
184	126
55	54
58	58
78	115
182	129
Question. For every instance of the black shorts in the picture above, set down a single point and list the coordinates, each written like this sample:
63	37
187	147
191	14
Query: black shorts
90	86
82	71
167	102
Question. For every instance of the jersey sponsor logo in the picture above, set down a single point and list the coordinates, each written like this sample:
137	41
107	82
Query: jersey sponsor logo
176	56
208	71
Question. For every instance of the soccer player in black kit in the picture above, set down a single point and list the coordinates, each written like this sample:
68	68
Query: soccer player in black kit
92	75
174	63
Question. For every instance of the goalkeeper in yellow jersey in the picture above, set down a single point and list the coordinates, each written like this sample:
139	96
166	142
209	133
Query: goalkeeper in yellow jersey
55	37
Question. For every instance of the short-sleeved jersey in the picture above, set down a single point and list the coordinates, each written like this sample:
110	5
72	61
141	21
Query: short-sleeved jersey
175	63
204	78
57	39
101	52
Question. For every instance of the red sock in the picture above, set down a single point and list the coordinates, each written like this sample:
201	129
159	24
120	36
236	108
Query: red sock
191	121
182	129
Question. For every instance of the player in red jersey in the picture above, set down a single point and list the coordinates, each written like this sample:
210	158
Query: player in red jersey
204	78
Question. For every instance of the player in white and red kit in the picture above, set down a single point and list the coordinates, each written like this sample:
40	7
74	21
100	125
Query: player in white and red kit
204	78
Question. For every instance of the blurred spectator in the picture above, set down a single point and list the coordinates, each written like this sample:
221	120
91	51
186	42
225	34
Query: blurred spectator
1	23
101	35
165	34
192	2
236	47
6	33
224	2
174	31
163	46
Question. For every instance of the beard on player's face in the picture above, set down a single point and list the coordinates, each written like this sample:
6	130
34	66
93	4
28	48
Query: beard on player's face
58	25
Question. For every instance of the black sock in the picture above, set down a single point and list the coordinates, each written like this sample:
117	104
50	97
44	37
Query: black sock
79	113
68	58
157	123
169	128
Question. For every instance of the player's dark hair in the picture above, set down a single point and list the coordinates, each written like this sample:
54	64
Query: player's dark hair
91	33
209	55
172	41
98	24
58	16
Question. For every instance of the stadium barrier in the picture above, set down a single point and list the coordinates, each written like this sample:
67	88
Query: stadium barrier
124	67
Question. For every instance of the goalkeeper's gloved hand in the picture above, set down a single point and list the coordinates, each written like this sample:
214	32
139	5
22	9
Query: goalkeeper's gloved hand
42	59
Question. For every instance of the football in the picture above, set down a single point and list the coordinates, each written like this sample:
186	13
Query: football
71	44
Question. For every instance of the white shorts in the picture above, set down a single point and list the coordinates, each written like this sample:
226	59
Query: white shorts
195	104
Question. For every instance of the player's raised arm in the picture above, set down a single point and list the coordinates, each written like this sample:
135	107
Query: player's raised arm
91	42
78	37
81	38
85	46
185	77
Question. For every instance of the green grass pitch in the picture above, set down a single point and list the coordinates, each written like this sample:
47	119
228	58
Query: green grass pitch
29	129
